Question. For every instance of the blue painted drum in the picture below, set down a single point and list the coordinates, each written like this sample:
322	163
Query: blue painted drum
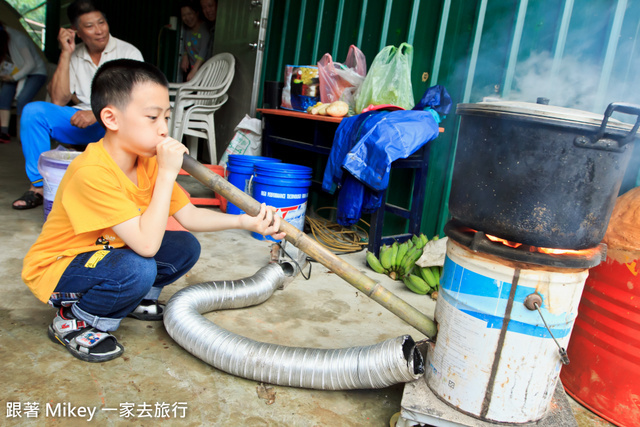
493	373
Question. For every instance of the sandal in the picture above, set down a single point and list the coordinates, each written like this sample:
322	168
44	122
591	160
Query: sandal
148	310
84	341
31	200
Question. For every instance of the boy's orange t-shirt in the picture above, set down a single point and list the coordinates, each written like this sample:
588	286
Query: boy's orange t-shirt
93	196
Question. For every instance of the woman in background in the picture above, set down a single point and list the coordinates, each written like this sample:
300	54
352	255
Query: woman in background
196	39
22	70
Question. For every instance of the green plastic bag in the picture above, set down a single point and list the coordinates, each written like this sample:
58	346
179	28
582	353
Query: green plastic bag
388	80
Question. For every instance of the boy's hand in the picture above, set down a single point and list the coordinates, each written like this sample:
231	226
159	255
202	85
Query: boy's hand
266	222
169	153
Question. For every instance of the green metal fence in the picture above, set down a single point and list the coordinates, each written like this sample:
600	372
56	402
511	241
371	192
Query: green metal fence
579	53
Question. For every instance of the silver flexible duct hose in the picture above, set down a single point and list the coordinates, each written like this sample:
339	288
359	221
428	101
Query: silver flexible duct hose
389	362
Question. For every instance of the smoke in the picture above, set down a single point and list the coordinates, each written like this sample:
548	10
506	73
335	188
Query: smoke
574	84
575	81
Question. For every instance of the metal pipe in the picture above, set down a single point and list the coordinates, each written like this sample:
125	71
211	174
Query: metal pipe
413	22
303	9
318	31
283	39
444	21
385	24
477	36
561	39
337	29
389	362
515	48
352	275
363	15
610	55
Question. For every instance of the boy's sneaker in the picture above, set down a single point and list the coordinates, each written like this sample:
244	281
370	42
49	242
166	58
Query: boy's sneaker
82	340
5	138
148	310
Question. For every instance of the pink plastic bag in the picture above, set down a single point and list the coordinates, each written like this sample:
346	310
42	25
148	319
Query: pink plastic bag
340	81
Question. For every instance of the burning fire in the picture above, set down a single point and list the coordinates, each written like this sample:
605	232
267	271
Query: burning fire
503	241
551	251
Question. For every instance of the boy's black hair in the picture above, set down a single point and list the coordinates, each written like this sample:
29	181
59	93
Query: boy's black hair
79	8
114	81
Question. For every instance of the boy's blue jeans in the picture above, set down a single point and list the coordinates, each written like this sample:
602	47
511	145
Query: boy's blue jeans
107	290
42	121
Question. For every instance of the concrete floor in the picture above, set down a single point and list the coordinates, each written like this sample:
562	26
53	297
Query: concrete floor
322	312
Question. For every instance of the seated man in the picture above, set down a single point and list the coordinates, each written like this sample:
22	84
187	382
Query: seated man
71	83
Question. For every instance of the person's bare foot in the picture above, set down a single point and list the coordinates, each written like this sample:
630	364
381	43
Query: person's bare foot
21	203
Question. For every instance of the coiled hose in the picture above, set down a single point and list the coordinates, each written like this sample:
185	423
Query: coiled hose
390	362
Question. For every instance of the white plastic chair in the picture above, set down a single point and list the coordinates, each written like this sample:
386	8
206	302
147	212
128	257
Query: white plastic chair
204	94
198	122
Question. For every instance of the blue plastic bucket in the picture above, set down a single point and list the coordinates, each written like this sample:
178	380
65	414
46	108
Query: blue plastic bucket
284	186
240	169
52	165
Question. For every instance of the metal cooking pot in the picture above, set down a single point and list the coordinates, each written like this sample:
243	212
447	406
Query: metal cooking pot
538	174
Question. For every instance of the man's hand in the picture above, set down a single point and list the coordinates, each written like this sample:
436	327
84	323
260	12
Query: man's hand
169	154
67	40
266	222
83	119
7	78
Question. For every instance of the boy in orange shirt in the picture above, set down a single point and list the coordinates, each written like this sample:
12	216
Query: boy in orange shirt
103	253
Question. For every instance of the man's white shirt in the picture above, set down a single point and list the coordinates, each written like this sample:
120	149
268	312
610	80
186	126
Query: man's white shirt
82	69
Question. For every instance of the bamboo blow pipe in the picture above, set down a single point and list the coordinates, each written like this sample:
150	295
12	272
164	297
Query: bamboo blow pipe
352	275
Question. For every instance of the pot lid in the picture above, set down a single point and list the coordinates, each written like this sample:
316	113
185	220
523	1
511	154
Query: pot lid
539	112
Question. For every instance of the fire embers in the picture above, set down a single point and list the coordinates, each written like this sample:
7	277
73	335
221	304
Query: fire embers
479	241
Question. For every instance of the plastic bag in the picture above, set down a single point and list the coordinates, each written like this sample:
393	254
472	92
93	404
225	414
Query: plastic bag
388	80
300	89
437	101
247	139
339	82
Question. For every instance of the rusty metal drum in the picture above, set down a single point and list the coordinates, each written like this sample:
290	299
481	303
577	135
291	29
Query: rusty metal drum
604	374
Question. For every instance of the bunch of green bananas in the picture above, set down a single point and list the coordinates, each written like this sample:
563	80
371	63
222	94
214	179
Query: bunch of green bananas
424	280
398	259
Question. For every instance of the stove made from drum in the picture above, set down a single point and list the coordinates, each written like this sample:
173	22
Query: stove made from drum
505	313
532	192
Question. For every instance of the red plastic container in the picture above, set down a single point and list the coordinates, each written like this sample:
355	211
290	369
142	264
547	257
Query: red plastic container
218	200
604	373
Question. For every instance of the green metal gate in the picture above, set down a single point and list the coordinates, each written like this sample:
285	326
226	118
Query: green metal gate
579	53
